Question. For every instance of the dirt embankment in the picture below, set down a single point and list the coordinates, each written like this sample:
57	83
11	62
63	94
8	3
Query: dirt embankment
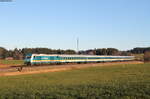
55	68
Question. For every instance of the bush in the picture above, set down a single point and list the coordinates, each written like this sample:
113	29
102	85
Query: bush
147	56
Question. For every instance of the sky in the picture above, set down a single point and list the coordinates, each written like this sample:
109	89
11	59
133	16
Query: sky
56	24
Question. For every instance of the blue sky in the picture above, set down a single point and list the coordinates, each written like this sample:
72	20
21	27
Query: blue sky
122	24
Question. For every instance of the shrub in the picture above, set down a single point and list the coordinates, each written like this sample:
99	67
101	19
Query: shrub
147	56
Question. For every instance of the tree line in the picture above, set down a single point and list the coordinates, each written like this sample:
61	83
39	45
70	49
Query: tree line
139	50
21	53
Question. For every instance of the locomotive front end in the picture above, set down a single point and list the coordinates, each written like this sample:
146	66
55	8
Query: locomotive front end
28	59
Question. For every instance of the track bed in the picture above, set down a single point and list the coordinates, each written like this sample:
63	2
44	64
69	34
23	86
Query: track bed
19	70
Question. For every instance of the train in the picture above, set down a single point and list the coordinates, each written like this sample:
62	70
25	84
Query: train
37	59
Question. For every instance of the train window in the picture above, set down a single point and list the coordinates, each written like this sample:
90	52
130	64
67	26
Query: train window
28	57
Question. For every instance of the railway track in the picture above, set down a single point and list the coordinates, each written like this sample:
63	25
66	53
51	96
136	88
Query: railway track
22	69
9	69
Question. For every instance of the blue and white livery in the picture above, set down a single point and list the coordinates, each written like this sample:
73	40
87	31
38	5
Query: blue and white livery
32	59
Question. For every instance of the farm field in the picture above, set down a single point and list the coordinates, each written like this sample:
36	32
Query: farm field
126	81
8	63
12	62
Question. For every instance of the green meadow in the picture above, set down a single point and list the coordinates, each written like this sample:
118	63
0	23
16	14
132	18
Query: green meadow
110	82
12	62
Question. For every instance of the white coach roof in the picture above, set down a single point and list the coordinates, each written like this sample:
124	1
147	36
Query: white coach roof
64	55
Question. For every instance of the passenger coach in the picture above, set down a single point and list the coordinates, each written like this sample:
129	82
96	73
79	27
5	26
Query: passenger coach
32	59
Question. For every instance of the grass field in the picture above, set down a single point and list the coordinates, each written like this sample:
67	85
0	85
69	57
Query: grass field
111	82
12	62
139	57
